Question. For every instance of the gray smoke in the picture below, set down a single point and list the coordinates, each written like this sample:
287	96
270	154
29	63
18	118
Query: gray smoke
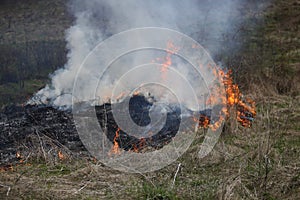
206	21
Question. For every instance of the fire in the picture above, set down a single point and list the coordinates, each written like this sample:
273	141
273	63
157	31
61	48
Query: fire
203	121
245	108
136	93
142	143
19	157
6	168
225	95
167	61
246	113
11	167
231	101
115	149
61	156
135	149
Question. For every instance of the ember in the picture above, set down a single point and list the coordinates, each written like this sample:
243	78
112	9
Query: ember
19	157
61	156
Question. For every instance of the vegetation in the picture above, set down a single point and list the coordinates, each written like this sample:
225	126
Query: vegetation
257	163
32	46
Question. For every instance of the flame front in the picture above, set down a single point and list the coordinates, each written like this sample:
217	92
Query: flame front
225	95
245	108
232	100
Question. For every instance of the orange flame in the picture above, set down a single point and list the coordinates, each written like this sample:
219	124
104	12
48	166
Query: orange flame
167	61
231	99
61	156
142	143
135	149
235	99
20	157
6	168
203	121
11	167
115	149
136	93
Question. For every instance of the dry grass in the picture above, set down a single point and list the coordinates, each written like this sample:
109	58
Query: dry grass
257	163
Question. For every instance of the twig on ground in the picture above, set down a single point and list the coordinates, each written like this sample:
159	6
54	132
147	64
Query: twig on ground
77	191
174	179
8	188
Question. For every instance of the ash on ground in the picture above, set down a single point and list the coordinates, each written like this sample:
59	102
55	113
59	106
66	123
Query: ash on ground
46	129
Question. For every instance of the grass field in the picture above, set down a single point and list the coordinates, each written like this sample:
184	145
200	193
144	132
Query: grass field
261	162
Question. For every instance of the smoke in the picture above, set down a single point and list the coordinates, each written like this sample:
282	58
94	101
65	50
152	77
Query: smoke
206	21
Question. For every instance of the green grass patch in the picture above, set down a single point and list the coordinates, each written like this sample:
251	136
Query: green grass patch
13	93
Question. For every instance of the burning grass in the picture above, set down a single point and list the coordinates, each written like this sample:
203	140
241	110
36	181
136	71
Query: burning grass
54	153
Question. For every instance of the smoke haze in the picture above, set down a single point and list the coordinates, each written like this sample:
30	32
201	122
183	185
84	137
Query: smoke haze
206	21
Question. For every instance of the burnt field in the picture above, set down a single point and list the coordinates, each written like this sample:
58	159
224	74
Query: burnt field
30	129
23	126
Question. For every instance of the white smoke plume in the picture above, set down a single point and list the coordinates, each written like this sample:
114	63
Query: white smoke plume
206	21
